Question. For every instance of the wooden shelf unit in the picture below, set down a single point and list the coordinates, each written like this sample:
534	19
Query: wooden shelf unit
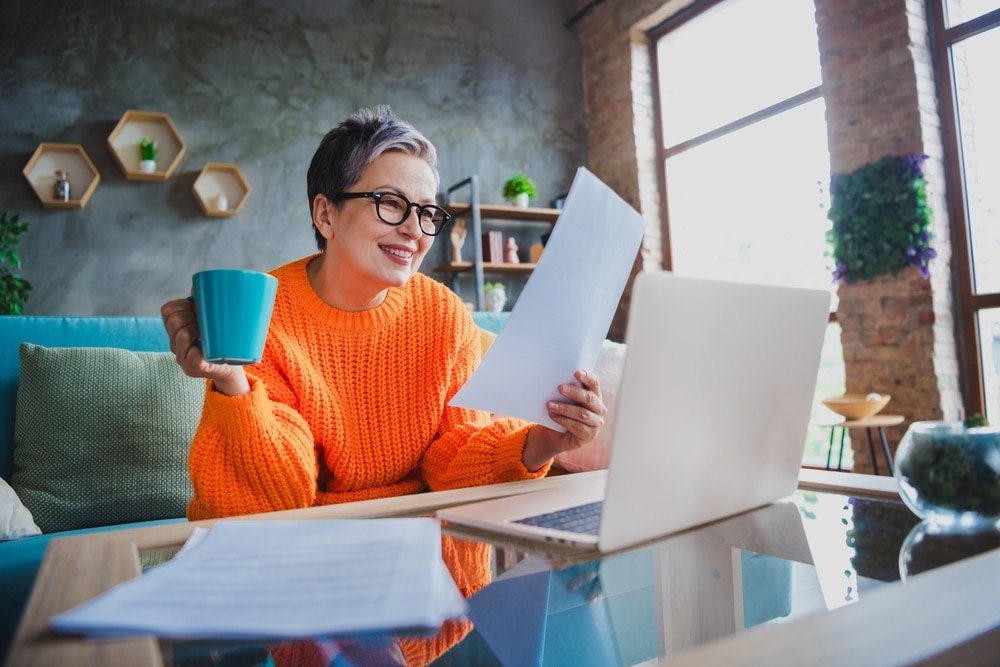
226	179
497	214
124	144
504	212
71	158
488	267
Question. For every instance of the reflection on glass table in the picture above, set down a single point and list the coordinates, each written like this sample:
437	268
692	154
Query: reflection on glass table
814	552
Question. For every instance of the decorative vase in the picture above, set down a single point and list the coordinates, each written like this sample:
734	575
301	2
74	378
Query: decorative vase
496	298
147	166
521	200
61	189
949	474
929	545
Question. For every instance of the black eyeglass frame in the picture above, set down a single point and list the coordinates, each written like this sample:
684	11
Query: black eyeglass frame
377	198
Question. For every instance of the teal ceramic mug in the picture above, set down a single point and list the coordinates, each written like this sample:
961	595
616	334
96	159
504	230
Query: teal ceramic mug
234	311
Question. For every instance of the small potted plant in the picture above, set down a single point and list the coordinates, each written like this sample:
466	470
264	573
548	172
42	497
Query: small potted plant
519	189
147	155
496	297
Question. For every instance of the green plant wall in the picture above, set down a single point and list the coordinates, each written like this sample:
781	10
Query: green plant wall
881	220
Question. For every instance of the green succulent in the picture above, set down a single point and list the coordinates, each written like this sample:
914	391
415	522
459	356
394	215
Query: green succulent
147	149
517	184
976	420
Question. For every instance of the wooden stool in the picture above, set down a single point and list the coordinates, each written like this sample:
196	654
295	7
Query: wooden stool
877	422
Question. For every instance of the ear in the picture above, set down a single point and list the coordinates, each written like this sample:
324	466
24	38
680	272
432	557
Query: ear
322	216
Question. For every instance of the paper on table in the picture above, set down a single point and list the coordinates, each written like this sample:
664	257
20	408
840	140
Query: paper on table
285	580
563	313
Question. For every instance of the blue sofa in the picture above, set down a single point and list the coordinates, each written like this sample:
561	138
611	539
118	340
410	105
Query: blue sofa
20	558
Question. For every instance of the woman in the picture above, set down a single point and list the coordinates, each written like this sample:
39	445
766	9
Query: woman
350	400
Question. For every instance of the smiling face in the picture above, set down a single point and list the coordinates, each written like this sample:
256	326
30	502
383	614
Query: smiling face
365	256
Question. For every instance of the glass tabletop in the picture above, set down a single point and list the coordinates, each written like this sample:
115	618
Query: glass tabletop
813	552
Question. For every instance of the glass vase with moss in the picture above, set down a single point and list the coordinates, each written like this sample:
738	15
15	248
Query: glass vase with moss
949	473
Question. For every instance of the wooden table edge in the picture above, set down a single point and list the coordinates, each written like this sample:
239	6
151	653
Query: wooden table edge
77	568
68	575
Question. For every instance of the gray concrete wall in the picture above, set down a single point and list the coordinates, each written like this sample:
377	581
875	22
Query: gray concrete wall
496	85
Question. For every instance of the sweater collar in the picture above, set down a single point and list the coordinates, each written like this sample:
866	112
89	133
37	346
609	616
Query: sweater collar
294	278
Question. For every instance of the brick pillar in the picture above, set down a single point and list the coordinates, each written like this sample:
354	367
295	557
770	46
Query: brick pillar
618	102
897	332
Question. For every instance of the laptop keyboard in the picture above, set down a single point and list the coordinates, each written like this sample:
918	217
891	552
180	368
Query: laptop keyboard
583	519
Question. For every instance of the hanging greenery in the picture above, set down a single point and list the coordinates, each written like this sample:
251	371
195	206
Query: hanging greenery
881	220
13	288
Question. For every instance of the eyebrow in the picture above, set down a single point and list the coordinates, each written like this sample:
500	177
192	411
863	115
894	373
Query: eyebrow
395	190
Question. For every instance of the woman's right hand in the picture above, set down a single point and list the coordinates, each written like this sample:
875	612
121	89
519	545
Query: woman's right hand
181	323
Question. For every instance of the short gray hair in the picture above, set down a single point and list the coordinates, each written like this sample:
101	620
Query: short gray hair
349	148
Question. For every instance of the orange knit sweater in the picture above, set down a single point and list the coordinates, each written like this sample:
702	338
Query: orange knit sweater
349	406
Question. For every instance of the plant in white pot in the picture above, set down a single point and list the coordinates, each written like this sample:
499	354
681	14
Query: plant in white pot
519	189
496	296
147	155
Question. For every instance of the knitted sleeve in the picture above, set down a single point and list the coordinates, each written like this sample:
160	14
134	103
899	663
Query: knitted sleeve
471	449
251	453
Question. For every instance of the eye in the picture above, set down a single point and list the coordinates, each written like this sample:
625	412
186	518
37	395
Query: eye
392	202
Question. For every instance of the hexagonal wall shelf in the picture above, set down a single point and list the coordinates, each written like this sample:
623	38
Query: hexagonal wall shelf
124	144
80	171
221	189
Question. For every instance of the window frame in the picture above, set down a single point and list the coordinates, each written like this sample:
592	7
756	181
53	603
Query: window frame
967	302
663	152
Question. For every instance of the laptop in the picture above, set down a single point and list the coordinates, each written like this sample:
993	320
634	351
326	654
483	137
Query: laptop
711	417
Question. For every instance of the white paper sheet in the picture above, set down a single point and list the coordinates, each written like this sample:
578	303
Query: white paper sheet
563	313
285	580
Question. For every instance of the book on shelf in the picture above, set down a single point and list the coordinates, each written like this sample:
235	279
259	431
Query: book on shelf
493	247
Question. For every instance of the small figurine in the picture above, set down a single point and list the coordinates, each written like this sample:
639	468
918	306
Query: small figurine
510	252
457	239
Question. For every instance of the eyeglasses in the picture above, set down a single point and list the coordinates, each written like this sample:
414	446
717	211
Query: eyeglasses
394	209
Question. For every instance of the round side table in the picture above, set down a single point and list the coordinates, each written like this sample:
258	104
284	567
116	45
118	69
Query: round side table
875	423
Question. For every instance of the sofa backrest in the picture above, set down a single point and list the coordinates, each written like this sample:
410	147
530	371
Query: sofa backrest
139	334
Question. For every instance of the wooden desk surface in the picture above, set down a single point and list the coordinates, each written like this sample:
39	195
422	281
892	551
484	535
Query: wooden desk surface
947	612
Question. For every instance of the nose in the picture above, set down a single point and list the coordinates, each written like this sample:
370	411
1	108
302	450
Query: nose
411	223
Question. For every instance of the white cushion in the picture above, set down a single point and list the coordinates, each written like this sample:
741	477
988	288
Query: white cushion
15	519
594	455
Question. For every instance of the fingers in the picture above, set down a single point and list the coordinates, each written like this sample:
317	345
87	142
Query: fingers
181	323
582	415
588	395
581	424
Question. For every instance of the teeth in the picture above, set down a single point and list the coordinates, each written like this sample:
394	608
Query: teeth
405	254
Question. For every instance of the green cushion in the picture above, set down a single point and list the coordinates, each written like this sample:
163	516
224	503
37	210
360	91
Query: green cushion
102	435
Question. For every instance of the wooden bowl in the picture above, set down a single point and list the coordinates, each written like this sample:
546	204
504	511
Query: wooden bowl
857	406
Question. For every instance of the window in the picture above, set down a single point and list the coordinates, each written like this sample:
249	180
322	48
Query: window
966	49
743	150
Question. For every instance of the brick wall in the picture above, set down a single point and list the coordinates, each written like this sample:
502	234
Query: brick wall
898	333
618	102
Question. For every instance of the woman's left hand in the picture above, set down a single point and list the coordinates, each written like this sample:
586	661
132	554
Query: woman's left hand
582	416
